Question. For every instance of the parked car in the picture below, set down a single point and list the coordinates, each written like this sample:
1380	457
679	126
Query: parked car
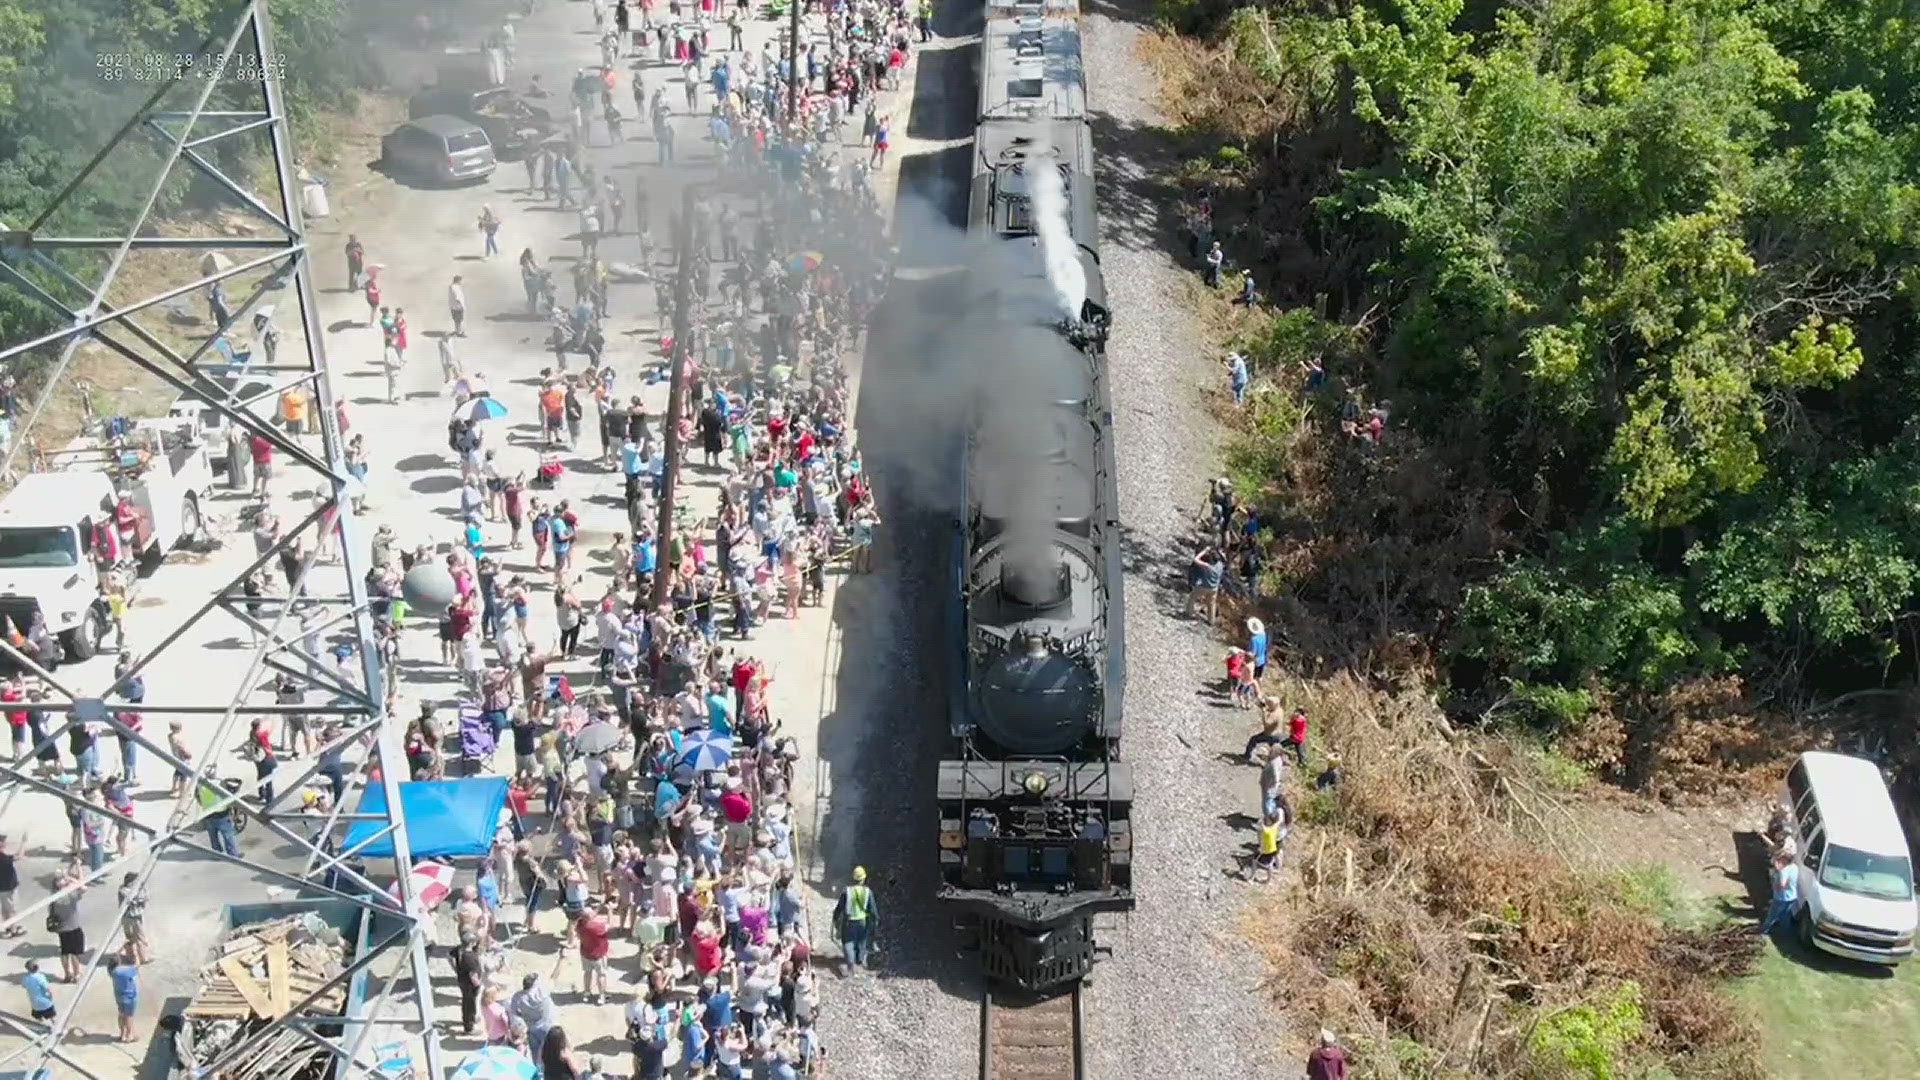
512	125
1856	872
438	148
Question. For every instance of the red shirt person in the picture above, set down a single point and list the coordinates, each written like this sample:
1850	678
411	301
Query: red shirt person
592	930
1297	734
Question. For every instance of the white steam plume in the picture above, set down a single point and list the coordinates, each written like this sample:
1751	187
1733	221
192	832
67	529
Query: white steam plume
1058	253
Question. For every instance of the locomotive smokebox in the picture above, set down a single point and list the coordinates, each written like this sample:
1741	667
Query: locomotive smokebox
1036	701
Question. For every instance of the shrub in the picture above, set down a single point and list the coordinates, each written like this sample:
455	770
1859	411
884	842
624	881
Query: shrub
1590	1038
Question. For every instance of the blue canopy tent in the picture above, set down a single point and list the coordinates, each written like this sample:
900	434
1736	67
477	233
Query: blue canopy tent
446	819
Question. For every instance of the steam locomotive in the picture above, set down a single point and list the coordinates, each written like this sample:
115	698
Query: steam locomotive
1035	805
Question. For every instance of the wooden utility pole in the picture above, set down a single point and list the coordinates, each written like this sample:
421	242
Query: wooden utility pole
793	63
663	565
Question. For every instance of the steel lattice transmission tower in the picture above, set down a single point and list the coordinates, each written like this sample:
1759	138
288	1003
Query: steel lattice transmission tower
39	262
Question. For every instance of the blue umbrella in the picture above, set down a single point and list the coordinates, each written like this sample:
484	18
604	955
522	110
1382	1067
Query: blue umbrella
703	751
482	408
495	1063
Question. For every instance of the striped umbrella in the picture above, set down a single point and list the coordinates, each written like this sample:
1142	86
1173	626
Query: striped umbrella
703	751
495	1063
432	883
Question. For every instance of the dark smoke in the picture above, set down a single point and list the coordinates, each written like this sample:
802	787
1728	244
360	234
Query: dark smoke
981	331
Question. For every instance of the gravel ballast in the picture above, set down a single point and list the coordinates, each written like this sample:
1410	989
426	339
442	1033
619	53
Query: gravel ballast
1180	991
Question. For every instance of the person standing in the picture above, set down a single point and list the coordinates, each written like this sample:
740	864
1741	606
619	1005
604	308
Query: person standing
390	361
1204	578
1237	377
855	916
39	993
533	1006
1215	259
124	970
1786	893
1273	776
9	886
259	750
1297	735
269	334
400	338
294	405
456	309
217	306
177	746
449	364
591	931
468	974
63	918
356	262
490	227
237	458
221	835
372	296
1328	1061
533	880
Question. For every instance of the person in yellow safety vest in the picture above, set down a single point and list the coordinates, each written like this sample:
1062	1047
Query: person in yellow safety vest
854	917
220	831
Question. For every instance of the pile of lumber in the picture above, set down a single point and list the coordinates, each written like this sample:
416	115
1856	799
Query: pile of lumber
263	970
256	976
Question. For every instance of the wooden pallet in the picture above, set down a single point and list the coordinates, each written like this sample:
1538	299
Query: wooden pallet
263	971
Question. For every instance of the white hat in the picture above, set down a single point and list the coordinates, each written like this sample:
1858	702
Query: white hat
1255	626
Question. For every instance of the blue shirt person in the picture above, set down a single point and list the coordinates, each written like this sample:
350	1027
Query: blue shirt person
39	992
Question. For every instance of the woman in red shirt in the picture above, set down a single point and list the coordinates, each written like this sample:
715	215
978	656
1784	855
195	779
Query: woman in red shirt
706	948
736	806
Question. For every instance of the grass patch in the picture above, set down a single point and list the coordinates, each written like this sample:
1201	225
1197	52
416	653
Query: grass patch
1655	890
1822	1016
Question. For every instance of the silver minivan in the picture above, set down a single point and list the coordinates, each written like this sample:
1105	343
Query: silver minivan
1856	873
440	148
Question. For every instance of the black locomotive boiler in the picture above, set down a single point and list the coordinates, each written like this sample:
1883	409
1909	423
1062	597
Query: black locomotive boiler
1035	830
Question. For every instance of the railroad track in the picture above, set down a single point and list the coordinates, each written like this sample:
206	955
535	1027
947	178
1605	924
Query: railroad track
1029	1037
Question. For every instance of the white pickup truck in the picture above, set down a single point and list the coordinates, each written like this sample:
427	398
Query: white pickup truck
136	496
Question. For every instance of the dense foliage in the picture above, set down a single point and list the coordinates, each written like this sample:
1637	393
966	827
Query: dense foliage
73	71
1638	274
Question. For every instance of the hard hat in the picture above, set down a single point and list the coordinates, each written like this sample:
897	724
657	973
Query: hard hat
859	873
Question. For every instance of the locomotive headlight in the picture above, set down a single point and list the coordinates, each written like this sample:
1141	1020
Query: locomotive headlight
1035	783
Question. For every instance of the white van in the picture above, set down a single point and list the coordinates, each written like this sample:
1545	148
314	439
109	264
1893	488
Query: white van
1856	875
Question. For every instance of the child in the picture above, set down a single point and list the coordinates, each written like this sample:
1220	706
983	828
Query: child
1266	859
1297	735
1238	670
